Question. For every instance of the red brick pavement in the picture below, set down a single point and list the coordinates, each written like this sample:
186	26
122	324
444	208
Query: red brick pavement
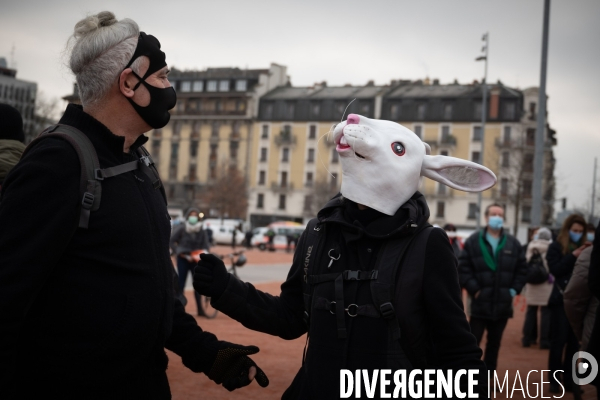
281	359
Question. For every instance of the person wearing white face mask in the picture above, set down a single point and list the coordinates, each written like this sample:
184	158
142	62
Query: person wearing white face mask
492	269
561	256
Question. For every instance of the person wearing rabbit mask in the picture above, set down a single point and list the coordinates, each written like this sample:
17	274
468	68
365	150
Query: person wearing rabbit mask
373	284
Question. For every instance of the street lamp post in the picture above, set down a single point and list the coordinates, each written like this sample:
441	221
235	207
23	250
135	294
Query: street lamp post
483	58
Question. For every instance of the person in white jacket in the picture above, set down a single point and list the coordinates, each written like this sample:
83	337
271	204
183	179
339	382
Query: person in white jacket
537	295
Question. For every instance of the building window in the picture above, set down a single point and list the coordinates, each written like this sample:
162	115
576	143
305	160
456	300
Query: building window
289	110
240	85
312	131
211	86
268	111
263	154
506	134
442	189
477	110
262	176
477	134
447	111
215	130
174	151
472	211
444	153
530	137
285	154
504	187
198	86
284	179
192	173
311	156
186	86
308	201
532	111
260	201
224	86
526	214
509	110
476	157
155	148
506	159
445	133
193	148
265	132
440	209
527	188
309	179
419	131
421	110
395	111
339	108
282	201
315	109
528	163
233	149
365	108
335	156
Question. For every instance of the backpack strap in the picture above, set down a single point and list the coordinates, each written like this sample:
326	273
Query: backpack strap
312	240
388	264
149	168
89	187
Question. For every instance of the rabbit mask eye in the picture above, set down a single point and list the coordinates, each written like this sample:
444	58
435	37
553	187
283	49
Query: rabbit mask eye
398	148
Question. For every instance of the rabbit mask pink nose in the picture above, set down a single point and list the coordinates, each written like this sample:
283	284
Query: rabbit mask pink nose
353	119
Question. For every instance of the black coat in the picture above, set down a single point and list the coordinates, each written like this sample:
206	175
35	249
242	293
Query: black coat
594	285
433	322
88	313
561	267
494	300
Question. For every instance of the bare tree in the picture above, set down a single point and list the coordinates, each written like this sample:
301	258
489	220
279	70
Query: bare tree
322	191
228	194
46	112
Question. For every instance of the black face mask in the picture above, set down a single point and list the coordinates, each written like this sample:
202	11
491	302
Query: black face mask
156	114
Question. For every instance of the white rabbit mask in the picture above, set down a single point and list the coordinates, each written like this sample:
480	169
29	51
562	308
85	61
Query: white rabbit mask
382	164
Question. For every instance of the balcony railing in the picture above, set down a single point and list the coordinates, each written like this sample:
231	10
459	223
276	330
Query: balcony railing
279	187
285	138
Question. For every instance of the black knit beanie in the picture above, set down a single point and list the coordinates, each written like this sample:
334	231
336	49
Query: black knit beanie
11	123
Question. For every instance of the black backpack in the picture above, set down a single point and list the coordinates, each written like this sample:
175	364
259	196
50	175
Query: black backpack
536	270
91	173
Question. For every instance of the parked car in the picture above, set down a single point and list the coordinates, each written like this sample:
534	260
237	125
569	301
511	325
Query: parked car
281	229
222	234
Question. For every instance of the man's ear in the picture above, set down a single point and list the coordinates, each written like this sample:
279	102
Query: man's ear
457	173
127	81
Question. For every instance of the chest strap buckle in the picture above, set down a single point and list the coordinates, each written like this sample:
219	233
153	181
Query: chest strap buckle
387	310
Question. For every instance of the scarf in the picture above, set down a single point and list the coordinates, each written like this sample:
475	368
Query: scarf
189	228
490	261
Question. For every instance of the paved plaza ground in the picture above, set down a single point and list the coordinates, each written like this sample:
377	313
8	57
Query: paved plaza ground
281	359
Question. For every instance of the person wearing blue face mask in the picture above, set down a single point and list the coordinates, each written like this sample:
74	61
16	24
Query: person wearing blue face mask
561	257
493	270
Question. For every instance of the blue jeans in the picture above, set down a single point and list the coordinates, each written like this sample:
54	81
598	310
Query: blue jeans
183	268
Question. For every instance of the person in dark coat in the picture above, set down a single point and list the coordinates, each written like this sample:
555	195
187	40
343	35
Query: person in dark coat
186	238
493	271
11	139
364	303
561	257
594	286
86	312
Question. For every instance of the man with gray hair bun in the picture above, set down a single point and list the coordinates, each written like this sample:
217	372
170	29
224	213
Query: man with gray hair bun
87	296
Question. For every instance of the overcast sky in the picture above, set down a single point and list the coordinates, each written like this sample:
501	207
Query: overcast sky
353	41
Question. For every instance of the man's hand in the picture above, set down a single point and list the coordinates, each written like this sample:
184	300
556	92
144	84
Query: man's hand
210	276
234	369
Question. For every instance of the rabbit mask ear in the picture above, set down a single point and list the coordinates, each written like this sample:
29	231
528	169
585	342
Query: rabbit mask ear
457	173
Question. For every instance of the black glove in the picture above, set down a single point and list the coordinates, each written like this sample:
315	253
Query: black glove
210	276
232	365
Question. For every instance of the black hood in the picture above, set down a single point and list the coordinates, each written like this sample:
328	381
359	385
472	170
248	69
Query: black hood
372	223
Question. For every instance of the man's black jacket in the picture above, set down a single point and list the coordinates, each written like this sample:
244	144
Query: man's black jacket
102	299
434	325
494	300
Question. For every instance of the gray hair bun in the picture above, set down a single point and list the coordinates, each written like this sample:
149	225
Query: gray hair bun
93	23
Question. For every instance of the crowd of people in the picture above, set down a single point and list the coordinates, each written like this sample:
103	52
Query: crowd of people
553	272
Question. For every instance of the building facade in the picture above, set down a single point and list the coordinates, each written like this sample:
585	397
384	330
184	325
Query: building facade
19	94
296	169
210	130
